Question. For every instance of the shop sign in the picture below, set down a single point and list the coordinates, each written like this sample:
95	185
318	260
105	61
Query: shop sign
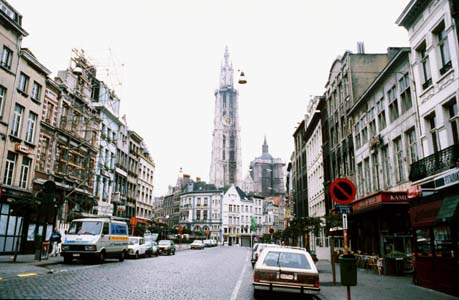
23	149
364	203
121	208
384	197
447	180
104	209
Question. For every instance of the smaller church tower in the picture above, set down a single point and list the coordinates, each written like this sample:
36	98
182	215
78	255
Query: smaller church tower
266	174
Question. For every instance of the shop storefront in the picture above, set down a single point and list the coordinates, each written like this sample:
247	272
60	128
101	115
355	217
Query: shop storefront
379	224
435	220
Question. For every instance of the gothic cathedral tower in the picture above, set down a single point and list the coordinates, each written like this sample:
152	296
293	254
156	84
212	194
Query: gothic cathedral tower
226	162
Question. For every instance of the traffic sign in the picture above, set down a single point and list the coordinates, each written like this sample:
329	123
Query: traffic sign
342	191
343	209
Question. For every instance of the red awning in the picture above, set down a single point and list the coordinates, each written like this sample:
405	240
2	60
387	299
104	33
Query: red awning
378	199
425	214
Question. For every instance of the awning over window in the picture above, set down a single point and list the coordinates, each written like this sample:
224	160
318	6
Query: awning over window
449	209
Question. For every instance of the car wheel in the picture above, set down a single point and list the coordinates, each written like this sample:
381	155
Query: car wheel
137	255
67	259
102	257
122	255
157	253
149	254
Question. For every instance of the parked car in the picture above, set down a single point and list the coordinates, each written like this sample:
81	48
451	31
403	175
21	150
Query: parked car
98	238
214	243
285	269
150	244
137	246
208	243
166	247
197	244
258	249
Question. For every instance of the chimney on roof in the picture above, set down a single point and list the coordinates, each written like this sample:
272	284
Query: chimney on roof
360	48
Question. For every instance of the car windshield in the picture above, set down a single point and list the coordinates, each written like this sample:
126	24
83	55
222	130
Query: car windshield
133	241
164	243
85	227
286	260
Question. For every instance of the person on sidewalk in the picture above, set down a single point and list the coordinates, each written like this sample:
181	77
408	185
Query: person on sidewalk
55	240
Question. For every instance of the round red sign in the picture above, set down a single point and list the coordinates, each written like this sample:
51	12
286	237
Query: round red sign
342	191
271	230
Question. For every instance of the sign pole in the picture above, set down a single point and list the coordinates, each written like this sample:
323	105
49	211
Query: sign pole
343	191
346	250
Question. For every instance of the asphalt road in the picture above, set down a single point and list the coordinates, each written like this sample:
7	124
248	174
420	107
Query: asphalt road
214	273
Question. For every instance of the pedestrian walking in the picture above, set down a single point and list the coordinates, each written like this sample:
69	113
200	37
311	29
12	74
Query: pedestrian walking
55	240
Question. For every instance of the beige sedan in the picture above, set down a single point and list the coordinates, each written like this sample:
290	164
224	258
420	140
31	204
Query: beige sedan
285	270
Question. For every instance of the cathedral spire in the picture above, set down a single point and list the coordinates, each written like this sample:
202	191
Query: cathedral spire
226	73
265	146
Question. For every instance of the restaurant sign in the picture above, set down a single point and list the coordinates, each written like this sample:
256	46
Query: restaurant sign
383	197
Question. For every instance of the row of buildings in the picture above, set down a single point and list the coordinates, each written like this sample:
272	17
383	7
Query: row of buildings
390	123
64	149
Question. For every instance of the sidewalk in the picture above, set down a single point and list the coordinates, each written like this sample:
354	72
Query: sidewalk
372	286
25	265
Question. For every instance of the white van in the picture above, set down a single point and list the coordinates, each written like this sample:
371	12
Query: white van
97	238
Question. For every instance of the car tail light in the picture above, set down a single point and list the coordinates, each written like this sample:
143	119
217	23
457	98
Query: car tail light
256	277
271	276
316	282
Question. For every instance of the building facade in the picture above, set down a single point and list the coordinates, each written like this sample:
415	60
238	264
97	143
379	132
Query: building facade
315	175
226	160
144	206
201	210
385	134
348	78
433	34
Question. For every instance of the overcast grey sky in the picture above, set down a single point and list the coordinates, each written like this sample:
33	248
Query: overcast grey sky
164	62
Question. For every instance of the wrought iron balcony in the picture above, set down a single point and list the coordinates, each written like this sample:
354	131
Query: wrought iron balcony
442	160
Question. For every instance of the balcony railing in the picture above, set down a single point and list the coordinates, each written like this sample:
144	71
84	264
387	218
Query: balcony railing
442	160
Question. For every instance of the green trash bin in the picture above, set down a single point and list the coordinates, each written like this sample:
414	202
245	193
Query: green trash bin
348	269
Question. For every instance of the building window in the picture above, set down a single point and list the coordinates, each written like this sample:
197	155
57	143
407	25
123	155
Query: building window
412	147
443	47
381	114
49	112
2	100
36	91
453	117
30	134
386	165
24	178
405	92
23	83
425	63
374	158
44	148
398	160
431	120
7	56
360	179
17	120
9	168
393	104
367	181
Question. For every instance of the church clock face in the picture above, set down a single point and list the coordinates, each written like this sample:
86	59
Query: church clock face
227	120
